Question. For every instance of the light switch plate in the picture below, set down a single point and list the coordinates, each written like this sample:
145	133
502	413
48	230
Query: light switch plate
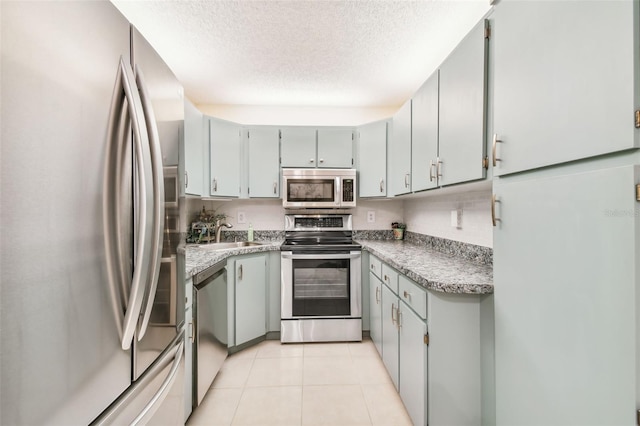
242	218
371	216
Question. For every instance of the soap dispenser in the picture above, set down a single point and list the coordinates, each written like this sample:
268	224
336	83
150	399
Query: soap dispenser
250	233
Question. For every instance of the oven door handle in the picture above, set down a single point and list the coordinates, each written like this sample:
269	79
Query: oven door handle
321	256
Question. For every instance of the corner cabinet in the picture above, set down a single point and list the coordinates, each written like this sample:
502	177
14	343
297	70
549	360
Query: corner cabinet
263	146
250	297
399	170
372	159
224	154
562	90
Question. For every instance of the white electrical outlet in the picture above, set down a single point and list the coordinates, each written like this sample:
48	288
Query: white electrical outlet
242	218
371	216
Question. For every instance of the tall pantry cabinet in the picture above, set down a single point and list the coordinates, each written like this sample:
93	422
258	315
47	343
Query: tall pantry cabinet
566	79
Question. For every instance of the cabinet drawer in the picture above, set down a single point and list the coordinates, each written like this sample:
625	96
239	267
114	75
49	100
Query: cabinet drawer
188	293
413	295
390	277
375	266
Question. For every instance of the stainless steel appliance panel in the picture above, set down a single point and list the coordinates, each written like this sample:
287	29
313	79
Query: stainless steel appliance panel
210	311
319	188
167	102
61	357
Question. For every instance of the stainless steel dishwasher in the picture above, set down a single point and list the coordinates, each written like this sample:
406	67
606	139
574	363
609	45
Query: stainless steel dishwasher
210	314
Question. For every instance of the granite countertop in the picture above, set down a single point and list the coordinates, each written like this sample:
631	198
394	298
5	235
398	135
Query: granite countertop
200	257
432	269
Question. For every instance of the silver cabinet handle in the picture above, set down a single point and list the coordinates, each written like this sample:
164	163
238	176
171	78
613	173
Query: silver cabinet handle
214	184
377	295
496	141
407	295
126	99
399	318
494	219
438	168
311	160
275	188
431	176
386	278
186	179
381	185
240	272
158	201
406	180
393	313
321	160
192	332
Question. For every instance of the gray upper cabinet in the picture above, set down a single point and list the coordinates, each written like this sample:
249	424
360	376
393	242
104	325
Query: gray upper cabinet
462	112
372	163
193	149
298	147
424	135
399	171
264	158
224	147
565	81
335	147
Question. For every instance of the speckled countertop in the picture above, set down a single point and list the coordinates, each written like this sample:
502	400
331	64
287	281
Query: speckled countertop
200	257
432	269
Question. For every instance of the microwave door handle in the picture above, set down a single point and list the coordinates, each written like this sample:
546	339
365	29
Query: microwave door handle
320	256
338	190
158	203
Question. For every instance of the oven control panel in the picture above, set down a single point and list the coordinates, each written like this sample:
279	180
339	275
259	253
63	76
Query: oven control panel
318	222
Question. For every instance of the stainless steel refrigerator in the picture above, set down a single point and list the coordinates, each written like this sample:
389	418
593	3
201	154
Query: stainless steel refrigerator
91	214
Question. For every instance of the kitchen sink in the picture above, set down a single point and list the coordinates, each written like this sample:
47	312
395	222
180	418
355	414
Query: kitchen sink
229	245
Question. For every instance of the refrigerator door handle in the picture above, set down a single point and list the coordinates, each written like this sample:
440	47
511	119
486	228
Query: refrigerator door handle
164	389
126	102
158	203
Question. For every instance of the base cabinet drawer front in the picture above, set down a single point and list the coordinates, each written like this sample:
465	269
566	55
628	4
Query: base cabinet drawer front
413	295
375	311
390	333
375	266
413	364
390	277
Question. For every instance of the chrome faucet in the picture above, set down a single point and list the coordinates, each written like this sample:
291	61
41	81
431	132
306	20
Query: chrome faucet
218	228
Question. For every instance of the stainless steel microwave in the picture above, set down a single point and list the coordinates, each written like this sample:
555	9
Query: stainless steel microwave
318	188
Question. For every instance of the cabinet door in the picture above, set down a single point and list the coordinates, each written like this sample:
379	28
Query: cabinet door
565	300
413	365
562	90
372	159
193	149
424	135
400	151
335	148
264	162
250	298
224	143
375	311
298	147
390	333
462	132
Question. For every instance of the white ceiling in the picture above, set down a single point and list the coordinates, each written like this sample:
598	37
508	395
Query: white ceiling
358	53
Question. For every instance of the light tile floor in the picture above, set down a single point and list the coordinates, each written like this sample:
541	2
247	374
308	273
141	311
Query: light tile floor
302	384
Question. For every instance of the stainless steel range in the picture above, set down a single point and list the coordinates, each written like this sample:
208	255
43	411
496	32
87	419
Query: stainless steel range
321	280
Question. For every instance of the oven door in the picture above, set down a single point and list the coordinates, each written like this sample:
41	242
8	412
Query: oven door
321	285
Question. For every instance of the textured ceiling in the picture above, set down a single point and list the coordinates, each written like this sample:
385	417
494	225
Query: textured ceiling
303	53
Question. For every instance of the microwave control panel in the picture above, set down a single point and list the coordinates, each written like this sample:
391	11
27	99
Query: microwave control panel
347	190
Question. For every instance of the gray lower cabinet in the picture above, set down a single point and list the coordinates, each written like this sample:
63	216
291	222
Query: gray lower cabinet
390	347
413	364
566	301
563	91
250	297
375	311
